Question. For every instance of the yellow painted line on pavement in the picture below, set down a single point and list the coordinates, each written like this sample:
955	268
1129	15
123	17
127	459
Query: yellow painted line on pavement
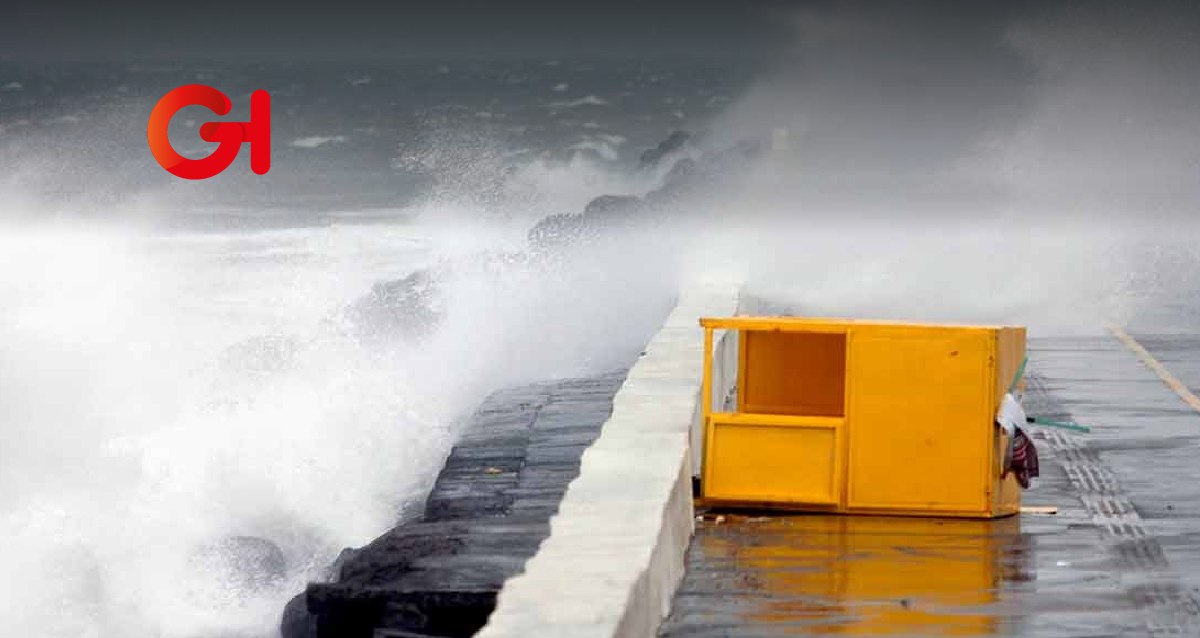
1158	368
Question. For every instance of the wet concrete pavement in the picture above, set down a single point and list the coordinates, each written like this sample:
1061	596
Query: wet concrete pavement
1150	441
1179	353
1119	559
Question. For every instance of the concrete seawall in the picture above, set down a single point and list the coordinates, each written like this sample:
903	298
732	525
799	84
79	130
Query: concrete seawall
615	553
488	511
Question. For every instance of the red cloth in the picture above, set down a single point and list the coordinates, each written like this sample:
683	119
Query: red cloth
1024	458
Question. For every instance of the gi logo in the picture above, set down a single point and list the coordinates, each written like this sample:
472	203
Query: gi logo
229	135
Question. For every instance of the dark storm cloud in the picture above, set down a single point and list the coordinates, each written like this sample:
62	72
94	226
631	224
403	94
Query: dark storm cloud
276	30
864	81
879	95
1060	108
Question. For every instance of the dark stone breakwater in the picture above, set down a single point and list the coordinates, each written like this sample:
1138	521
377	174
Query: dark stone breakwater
487	513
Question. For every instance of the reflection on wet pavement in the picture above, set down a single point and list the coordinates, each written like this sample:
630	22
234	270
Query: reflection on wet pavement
857	575
892	576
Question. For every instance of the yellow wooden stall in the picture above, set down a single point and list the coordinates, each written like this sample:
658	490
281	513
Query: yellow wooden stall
853	416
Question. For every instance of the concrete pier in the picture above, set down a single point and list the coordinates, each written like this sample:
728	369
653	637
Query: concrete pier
615	552
1118	559
565	511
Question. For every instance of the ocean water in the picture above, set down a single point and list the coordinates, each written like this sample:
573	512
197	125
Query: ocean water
346	137
197	413
203	397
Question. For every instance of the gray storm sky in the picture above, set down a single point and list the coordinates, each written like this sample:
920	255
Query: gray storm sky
39	31
276	30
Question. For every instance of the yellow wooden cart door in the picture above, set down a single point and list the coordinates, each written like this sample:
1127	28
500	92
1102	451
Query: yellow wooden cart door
919	427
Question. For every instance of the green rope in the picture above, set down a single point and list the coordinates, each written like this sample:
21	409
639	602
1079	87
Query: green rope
1020	373
1063	425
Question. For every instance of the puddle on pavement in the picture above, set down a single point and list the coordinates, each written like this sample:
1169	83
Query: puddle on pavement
892	576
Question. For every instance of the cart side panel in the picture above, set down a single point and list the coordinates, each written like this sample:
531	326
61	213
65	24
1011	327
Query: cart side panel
919	429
